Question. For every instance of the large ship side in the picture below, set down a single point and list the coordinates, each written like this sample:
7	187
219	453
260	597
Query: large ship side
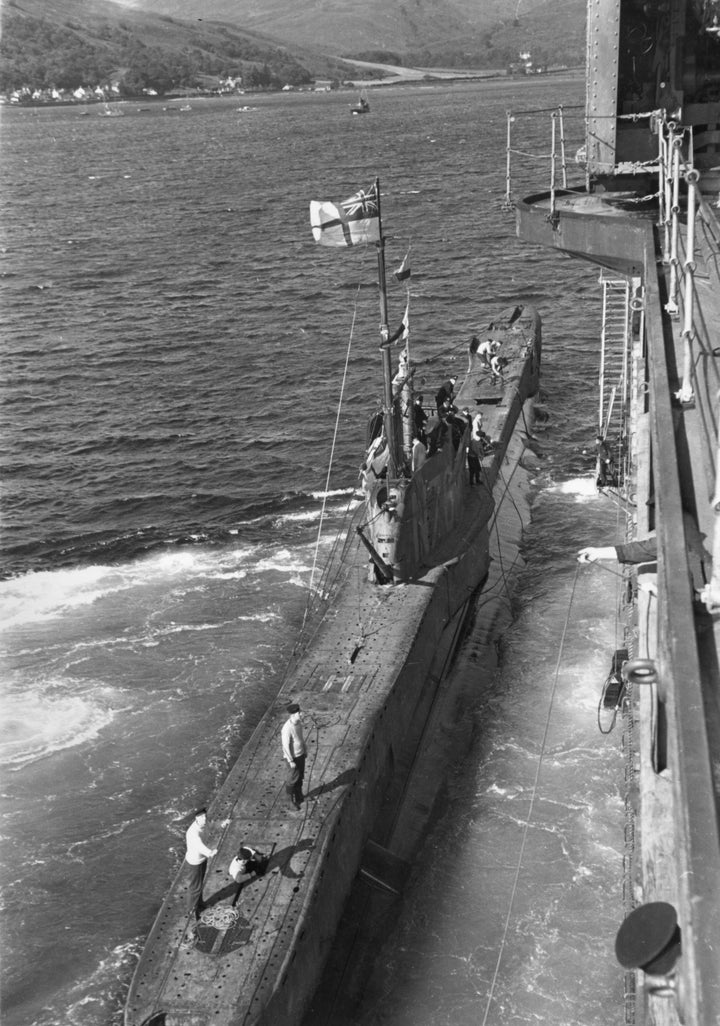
647	213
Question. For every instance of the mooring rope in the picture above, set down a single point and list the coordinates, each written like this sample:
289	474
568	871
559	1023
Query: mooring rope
526	828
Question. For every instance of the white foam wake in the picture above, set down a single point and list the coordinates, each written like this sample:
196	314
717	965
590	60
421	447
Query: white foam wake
37	724
50	594
583	487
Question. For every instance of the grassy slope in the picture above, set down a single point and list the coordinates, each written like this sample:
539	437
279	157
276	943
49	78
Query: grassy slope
402	26
477	33
88	18
154	26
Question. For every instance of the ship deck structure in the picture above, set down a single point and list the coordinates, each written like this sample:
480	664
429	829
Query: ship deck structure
367	677
647	213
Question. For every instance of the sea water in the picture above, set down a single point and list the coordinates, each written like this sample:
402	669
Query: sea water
174	348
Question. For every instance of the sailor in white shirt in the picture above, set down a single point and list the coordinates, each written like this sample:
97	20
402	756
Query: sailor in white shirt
247	863
196	857
294	751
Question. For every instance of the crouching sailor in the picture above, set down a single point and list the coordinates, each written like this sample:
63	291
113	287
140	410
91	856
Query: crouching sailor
247	863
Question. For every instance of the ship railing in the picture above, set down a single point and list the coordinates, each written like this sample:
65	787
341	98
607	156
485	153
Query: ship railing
679	252
711	592
706	226
638	167
677	174
684	692
560	167
676	177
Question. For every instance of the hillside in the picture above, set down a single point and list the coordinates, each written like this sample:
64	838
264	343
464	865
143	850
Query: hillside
162	45
471	33
65	44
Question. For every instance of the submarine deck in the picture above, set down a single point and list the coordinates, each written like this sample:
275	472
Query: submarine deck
362	673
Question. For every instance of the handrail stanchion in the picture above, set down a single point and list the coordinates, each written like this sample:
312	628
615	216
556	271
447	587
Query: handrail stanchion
507	205
685	393
663	191
562	147
668	198
711	592
601	375
675	141
552	166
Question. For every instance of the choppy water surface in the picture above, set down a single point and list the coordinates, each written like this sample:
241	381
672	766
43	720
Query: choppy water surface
173	351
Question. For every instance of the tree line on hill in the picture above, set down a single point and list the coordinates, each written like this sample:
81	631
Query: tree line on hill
41	55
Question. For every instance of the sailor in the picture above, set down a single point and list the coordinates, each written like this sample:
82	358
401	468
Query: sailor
294	751
478	445
474	455
645	550
419	453
448	413
487	349
436	432
497	365
607	474
477	430
641	551
196	856
248	862
419	418
446	391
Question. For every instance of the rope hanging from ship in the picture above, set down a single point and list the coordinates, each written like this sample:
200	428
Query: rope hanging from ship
526	826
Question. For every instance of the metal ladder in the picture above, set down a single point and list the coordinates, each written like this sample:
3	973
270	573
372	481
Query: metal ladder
614	366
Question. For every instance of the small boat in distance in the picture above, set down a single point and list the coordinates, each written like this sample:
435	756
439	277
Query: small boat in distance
362	106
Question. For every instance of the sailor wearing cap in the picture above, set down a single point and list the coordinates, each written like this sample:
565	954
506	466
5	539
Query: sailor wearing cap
446	391
196	857
294	751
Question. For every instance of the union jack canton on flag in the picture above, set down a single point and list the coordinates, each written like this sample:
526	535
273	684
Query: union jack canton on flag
354	222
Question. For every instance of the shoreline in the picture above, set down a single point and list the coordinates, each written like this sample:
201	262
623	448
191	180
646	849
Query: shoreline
405	77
